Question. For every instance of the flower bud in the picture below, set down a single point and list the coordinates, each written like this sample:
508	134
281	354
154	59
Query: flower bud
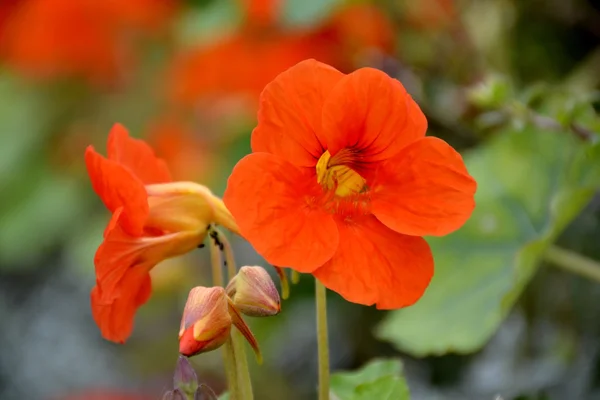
174	395
254	293
204	392
206	322
185	378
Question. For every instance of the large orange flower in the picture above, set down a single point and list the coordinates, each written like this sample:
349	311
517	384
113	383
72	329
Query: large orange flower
342	183
153	219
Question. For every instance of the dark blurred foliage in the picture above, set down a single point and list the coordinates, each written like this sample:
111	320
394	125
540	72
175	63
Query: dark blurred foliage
61	88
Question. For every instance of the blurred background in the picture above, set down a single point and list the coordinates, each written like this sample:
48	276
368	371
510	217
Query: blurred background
513	84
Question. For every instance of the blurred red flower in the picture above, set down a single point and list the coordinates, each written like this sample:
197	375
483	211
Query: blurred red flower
342	183
90	38
186	152
153	219
242	64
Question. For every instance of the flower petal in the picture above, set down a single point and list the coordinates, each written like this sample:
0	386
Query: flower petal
120	252
115	316
179	206
117	188
274	204
289	117
136	155
370	112
425	190
374	264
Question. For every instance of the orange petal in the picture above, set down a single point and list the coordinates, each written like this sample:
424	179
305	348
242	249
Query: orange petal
425	190
115	316
374	264
370	112
273	203
289	117
120	252
117	187
136	155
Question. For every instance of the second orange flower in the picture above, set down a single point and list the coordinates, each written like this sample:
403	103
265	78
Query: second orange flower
342	183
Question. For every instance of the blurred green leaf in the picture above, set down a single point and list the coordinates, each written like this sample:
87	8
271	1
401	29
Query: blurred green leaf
38	217
494	92
531	184
307	14
23	118
379	379
205	24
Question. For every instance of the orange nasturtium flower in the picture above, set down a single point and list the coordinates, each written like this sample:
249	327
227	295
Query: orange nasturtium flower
342	183
153	219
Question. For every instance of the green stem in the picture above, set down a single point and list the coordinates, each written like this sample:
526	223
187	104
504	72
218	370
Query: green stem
295	277
231	370
322	340
216	264
228	251
229	357
242	366
573	262
243	372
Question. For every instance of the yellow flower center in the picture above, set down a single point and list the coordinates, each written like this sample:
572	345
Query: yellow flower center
335	174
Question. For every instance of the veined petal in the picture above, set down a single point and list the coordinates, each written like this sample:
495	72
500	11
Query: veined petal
118	188
137	156
371	113
114	316
424	190
120	252
289	117
375	265
179	206
274	204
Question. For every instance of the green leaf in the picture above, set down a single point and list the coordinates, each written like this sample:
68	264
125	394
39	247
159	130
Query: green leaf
23	117
386	388
306	14
531	184
379	379
202	26
39	215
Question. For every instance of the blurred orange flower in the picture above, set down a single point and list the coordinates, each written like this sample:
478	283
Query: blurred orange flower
153	219
48	38
186	152
242	64
342	183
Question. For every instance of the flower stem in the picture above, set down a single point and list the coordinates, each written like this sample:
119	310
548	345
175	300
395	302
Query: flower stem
322	339
228	251
215	262
229	357
295	277
573	262
243	372
242	366
231	370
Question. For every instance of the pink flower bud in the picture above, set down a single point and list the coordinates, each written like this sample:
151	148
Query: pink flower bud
253	292
206	322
